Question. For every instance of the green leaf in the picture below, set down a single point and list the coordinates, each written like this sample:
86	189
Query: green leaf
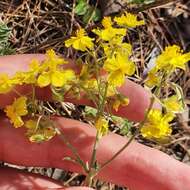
90	111
81	8
92	14
97	15
125	127
5	33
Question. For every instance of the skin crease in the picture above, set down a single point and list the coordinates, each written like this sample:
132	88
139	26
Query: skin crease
138	167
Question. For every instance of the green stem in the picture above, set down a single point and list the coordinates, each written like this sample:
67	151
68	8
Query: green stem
93	159
73	149
92	170
102	104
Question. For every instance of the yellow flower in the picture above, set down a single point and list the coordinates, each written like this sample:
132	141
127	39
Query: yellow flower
101	125
118	67
39	131
16	110
55	78
26	77
52	61
157	125
109	33
172	58
81	41
173	104
120	102
52	73
5	83
34	66
37	72
153	79
128	20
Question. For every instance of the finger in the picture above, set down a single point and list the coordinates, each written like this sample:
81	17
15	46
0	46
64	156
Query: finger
138	96
78	188
138	167
16	179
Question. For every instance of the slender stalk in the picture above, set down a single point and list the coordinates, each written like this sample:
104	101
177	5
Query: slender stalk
94	151
93	171
73	149
33	98
102	104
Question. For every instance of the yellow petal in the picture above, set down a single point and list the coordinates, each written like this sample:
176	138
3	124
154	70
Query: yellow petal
12	115
116	105
18	122
57	79
110	65
70	42
128	20
116	78
173	104
5	83
102	126
107	22
44	79
20	106
130	68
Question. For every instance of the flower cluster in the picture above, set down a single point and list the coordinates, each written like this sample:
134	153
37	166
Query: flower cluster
81	41
49	73
166	63
172	58
105	61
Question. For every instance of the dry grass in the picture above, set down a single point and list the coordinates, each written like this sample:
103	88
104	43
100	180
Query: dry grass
38	25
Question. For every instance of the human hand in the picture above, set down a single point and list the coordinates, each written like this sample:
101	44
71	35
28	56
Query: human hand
138	167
